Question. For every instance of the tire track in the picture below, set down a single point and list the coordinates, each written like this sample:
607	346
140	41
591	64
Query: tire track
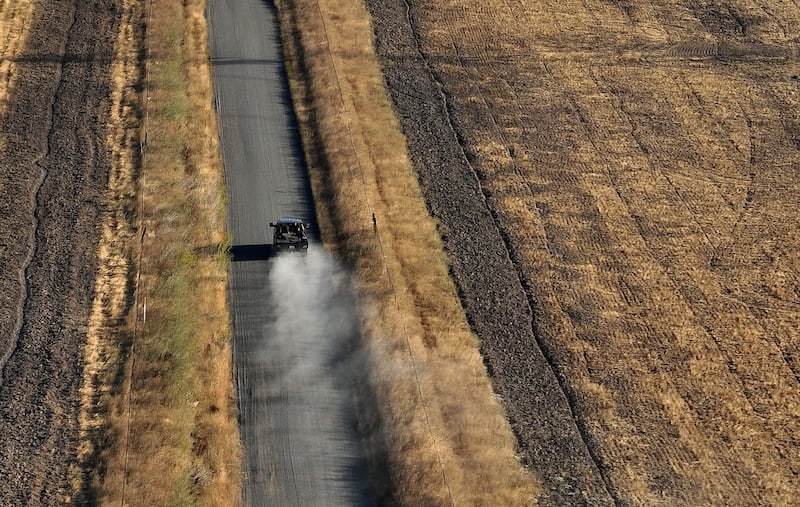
22	278
36	206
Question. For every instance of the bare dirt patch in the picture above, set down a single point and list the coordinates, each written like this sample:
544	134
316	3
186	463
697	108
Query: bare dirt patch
616	185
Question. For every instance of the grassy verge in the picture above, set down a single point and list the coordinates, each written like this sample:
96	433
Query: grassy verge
448	439
159	419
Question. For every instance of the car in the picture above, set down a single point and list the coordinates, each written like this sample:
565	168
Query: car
290	235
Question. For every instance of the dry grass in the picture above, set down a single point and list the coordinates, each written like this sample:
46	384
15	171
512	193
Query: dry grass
171	372
108	332
15	18
447	434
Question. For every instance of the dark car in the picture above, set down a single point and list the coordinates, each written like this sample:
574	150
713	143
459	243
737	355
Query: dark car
290	235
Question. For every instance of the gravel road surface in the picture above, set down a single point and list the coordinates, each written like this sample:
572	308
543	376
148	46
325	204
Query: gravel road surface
290	315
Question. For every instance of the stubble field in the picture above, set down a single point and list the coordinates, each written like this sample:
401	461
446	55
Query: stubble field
616	184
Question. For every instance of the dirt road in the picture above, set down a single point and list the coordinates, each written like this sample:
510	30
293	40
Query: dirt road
616	185
293	320
53	172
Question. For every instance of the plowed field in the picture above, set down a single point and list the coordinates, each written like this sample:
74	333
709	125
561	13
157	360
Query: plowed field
617	186
53	178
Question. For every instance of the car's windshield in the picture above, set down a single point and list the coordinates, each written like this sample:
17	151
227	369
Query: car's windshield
290	228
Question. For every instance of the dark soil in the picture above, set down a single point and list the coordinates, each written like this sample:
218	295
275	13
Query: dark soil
53	175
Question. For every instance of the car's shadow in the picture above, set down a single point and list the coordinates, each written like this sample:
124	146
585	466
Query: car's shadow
260	252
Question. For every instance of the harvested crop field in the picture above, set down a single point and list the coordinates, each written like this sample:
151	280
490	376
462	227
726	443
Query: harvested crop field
617	187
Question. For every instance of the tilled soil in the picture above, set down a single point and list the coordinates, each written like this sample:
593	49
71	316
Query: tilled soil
53	175
616	187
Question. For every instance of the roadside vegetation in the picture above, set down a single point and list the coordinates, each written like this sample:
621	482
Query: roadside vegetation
159	416
447	439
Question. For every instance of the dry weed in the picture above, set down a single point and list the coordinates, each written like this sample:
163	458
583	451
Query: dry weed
14	21
180	444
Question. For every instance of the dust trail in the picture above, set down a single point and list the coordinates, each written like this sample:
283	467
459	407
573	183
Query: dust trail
315	456
313	308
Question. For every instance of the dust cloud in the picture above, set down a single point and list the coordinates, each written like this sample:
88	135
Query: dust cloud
310	346
315	318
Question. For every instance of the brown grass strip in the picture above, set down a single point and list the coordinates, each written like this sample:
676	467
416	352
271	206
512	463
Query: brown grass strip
108	334
160	417
447	435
